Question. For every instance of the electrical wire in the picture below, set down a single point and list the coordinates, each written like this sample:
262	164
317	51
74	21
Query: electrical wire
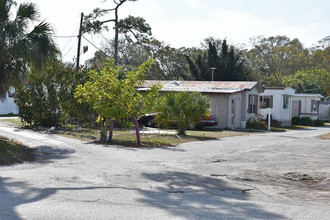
105	38
94	45
72	35
64	36
69	49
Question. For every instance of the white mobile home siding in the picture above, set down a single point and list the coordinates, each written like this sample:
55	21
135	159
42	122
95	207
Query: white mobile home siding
8	106
219	108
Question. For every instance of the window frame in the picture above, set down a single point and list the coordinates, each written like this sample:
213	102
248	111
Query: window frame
316	105
253	107
262	103
286	101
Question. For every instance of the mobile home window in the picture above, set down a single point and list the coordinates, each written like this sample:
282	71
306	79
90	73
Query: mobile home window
314	106
285	101
266	101
253	102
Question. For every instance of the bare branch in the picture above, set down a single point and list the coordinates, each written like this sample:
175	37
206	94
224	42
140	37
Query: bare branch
102	22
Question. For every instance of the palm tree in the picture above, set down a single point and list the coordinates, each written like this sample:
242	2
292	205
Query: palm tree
182	109
20	47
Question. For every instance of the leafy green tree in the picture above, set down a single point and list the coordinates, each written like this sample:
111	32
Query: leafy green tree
114	97
48	97
311	80
320	54
227	61
21	48
183	109
275	57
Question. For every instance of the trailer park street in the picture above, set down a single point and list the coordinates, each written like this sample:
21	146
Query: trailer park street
278	175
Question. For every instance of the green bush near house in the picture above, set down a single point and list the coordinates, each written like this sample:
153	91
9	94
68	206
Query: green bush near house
318	123
255	123
306	121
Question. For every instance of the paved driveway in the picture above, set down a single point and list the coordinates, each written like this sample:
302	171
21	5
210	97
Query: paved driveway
261	176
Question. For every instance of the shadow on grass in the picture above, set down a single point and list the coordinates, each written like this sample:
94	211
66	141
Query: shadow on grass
41	154
193	196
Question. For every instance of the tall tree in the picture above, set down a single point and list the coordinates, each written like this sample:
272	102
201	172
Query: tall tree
275	57
310	80
227	61
320	54
21	48
130	26
170	62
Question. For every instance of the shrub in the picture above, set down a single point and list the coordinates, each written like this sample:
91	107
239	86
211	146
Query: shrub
255	123
306	121
47	99
182	109
318	123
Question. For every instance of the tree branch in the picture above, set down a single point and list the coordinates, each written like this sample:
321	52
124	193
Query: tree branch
102	22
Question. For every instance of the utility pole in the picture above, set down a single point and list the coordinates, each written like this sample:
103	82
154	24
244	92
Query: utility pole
79	40
212	69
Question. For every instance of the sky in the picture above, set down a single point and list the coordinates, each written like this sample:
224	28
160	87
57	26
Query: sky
185	23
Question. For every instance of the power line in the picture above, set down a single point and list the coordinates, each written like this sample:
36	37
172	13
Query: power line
72	35
74	43
105	38
94	45
65	36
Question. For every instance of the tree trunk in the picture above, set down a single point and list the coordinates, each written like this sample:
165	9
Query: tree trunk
181	132
116	43
111	130
103	130
137	131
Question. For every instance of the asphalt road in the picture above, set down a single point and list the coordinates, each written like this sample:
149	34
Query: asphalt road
260	176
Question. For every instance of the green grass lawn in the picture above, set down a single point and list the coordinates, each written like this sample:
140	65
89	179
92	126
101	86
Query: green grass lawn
156	139
11	152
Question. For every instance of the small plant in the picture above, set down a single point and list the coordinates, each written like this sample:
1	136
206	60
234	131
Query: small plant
302	121
255	123
306	121
127	125
318	123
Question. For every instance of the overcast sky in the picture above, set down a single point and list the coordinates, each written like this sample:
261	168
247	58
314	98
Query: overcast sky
185	23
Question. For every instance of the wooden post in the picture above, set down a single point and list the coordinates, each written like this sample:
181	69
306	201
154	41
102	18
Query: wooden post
137	130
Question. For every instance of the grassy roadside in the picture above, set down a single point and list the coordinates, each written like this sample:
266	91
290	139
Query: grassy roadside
154	139
12	152
16	121
325	136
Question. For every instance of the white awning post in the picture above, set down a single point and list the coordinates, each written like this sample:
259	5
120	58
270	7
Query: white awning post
269	119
